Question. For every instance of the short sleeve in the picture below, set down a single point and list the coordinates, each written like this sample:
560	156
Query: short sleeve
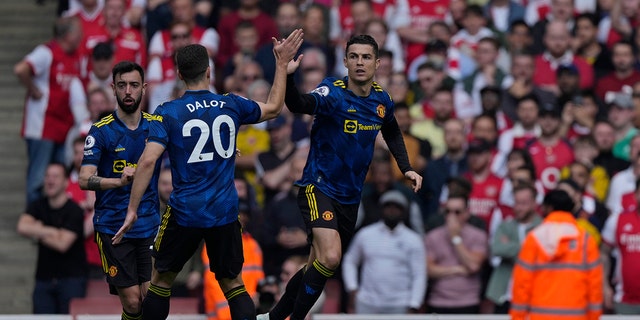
40	59
93	146
248	110
328	95
479	242
158	127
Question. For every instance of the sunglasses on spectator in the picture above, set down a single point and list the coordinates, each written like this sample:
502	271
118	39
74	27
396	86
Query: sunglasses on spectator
176	36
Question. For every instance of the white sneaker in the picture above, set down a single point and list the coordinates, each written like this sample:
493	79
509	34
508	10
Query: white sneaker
264	316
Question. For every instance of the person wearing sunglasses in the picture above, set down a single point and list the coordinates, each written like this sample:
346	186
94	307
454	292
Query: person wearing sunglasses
457	250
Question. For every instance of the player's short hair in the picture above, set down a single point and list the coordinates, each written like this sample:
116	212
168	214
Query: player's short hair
126	66
363	39
192	62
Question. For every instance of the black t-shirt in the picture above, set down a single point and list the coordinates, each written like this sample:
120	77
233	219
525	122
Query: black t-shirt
51	263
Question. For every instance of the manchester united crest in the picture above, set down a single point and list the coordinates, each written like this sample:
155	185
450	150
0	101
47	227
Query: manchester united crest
113	270
327	215
381	110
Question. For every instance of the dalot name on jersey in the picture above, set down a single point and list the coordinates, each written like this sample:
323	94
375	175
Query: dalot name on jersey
205	104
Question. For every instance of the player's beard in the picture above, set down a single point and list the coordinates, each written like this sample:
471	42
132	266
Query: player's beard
129	109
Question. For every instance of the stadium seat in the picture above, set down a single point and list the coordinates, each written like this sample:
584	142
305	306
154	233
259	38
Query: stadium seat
97	288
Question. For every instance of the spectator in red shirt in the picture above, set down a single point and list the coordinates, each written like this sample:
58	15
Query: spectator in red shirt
550	153
624	72
249	10
557	41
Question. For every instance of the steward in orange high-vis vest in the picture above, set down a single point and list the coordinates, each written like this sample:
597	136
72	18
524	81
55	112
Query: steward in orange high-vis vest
558	274
215	302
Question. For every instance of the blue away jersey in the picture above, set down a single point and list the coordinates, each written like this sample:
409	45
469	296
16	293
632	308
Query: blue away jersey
343	137
199	132
111	146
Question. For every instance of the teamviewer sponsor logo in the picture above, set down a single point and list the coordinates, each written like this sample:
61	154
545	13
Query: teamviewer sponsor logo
350	126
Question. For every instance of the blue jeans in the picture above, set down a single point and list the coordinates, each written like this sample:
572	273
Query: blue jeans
53	296
41	153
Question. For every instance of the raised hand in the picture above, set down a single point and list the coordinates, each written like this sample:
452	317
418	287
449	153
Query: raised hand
284	50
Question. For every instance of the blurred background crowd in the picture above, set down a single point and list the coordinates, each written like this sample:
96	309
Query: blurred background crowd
498	100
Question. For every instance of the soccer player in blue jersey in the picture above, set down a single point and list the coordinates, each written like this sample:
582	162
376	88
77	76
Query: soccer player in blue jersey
348	114
198	130
111	152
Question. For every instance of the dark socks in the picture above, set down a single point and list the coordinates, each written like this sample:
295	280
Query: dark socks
156	304
284	307
312	285
131	316
240	304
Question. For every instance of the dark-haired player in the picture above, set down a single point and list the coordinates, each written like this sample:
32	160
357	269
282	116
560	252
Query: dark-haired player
111	153
348	113
198	130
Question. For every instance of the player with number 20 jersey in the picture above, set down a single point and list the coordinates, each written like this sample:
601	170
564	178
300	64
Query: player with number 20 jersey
203	127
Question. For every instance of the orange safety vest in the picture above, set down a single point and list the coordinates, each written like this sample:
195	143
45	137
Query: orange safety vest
215	303
558	274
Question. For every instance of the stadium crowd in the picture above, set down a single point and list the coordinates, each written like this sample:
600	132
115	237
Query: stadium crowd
499	102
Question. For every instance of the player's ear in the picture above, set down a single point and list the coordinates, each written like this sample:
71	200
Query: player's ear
180	75
209	73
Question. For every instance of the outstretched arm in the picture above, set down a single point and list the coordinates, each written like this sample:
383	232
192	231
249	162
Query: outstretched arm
146	165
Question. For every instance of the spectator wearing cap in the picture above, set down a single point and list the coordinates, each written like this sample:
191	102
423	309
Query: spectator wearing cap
273	166
550	152
557	41
485	186
621	115
456	252
99	75
623	74
392	263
